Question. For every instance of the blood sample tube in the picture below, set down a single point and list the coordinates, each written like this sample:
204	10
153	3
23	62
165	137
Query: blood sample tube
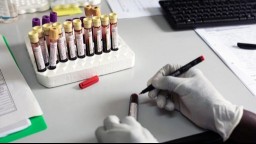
97	35
62	45
88	37
106	33
34	40
72	51
53	17
36	22
45	19
46	29
79	38
42	43
96	11
53	36
114	31
88	11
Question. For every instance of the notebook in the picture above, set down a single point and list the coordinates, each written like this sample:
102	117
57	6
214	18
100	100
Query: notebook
16	106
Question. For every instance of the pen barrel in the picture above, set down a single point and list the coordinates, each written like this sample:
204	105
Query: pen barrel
246	46
186	67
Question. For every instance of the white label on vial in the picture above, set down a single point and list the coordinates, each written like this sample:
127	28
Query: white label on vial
133	110
89	37
80	44
115	37
53	54
99	41
39	58
72	51
91	44
44	50
108	40
72	47
62	48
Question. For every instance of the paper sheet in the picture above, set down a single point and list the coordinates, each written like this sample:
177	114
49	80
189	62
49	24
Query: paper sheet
14	128
223	40
17	102
135	8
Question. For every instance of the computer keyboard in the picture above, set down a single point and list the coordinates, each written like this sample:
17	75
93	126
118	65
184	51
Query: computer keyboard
189	14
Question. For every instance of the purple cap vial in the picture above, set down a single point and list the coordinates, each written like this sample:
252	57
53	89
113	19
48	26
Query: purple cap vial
53	17
36	22
45	19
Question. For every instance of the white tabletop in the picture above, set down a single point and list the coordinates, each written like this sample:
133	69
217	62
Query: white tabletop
72	115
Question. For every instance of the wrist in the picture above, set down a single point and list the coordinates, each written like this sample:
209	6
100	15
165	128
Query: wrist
226	119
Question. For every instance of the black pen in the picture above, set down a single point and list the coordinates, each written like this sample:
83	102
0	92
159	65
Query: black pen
178	72
247	46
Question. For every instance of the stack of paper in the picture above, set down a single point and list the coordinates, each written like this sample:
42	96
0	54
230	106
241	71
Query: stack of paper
135	8
223	40
17	102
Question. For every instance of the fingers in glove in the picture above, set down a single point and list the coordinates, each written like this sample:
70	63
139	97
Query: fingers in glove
100	133
169	105
167	83
153	94
162	99
131	121
110	122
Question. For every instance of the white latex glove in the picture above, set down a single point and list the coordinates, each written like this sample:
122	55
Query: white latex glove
196	98
126	131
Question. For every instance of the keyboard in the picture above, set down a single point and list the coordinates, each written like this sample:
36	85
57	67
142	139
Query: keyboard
190	14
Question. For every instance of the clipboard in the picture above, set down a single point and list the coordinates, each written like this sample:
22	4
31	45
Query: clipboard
37	123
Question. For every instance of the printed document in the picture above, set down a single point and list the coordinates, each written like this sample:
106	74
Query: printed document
135	8
223	41
17	102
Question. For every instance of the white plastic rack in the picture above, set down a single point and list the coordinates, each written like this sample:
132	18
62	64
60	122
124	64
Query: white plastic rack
81	69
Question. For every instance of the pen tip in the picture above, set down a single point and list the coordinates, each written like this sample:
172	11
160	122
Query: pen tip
202	58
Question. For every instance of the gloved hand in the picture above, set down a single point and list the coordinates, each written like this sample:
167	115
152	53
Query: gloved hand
126	131
196	98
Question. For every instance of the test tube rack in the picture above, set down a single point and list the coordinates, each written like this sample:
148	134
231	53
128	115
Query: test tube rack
81	69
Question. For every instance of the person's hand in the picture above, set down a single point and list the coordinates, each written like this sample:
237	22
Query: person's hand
196	98
126	131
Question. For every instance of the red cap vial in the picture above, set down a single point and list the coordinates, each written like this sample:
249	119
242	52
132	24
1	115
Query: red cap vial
89	82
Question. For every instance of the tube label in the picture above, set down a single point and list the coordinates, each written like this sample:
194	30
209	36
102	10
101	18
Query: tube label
108	39
80	44
62	48
114	37
44	50
53	54
99	40
71	45
39	58
89	40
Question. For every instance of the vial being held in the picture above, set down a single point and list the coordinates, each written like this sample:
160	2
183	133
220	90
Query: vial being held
62	47
114	31
106	33
42	43
34	40
79	38
72	51
97	35
88	37
53	36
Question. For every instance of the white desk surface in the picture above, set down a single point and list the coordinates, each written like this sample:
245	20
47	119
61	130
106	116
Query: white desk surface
72	115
